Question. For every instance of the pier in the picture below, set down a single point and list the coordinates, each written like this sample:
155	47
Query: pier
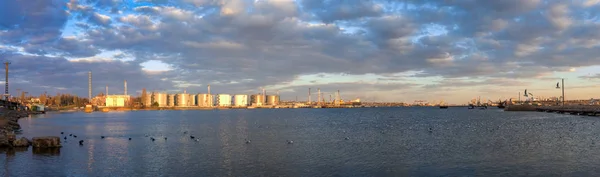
592	110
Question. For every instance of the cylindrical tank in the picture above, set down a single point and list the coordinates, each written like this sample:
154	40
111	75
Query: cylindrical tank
204	100
240	100
193	100
272	100
224	100
257	100
182	99
171	100
161	99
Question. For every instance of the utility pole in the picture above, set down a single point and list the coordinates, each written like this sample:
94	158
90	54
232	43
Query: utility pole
563	91
90	86
6	81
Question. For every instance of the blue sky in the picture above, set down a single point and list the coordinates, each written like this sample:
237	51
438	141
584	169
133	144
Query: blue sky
376	50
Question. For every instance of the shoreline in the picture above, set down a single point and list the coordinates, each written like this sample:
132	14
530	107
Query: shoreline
9	128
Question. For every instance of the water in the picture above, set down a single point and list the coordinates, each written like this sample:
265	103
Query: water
381	142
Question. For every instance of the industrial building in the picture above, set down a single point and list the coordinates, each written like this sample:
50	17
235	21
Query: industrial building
116	100
272	100
223	100
204	100
257	100
170	100
182	99
240	100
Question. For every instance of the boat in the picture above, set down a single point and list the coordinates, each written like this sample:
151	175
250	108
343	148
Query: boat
444	107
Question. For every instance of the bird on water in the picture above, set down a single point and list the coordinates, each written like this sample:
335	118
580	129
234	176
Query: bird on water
80	142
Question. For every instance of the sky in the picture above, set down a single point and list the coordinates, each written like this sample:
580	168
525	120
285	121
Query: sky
375	50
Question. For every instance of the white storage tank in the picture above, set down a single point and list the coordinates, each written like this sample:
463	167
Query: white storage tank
183	99
205	100
160	98
171	100
257	100
223	100
240	100
272	100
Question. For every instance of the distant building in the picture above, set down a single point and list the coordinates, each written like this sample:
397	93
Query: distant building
223	100
171	100
117	100
182	99
240	100
204	100
160	98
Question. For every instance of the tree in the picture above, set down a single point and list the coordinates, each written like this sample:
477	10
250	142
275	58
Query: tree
155	104
43	98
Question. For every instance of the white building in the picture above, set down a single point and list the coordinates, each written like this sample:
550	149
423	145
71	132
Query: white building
223	100
116	100
240	100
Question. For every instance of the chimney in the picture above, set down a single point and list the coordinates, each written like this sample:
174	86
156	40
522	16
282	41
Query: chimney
106	90
125	87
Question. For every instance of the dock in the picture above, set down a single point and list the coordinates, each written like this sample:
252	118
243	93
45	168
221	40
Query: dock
592	110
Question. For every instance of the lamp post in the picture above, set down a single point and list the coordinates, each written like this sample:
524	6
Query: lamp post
563	90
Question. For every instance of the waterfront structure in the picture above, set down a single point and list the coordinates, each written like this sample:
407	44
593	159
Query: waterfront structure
116	100
204	100
272	100
160	98
193	100
182	99
148	100
257	100
223	100
240	100
170	100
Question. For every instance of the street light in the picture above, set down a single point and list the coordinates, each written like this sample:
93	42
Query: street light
563	90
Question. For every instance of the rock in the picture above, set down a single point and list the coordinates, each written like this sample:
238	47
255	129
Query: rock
46	142
4	141
22	142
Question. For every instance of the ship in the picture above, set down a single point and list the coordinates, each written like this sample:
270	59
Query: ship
443	105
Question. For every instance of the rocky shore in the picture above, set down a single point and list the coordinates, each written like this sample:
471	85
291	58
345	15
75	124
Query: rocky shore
9	125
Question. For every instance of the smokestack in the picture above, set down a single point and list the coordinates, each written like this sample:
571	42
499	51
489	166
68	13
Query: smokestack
89	86
319	96
125	87
308	95
209	96
106	90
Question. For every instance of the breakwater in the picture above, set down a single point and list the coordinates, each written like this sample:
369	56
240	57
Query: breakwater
589	110
9	126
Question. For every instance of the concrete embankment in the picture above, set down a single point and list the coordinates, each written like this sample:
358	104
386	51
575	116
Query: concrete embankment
9	125
520	108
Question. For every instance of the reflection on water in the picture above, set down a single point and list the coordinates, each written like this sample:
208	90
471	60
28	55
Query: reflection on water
380	142
46	151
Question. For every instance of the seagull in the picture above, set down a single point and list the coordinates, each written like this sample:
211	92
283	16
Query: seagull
346	138
247	141
290	142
